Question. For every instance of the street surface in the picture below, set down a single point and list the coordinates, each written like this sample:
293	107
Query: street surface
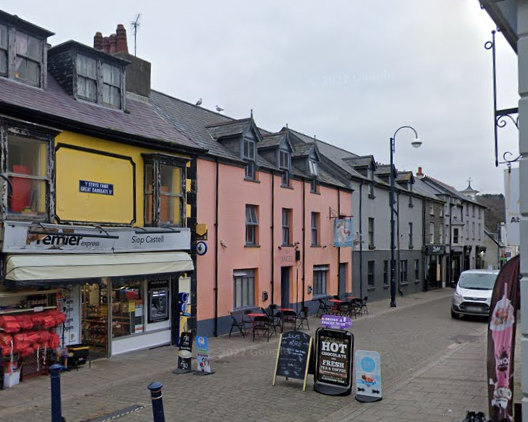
415	340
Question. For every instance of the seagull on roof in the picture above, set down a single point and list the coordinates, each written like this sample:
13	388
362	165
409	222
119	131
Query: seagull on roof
219	109
199	102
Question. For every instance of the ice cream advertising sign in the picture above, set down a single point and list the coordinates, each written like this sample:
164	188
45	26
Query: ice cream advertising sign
368	376
501	341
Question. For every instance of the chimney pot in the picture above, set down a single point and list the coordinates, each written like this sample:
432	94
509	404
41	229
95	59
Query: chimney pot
98	41
121	37
419	173
106	44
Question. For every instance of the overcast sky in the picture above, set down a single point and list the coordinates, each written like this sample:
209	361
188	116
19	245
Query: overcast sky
350	72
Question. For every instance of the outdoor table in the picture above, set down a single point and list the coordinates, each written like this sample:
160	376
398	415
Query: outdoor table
335	300
286	310
257	314
351	297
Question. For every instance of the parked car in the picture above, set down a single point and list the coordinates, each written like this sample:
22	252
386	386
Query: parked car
473	293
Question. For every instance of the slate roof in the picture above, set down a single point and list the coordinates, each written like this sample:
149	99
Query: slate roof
302	150
425	190
55	105
383	170
192	121
444	188
271	141
363	161
228	129
404	176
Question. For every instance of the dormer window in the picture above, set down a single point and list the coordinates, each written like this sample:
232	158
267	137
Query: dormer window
3	50
21	55
314	170
98	82
285	165
249	155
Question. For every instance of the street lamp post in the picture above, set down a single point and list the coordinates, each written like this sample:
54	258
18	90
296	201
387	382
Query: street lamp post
416	144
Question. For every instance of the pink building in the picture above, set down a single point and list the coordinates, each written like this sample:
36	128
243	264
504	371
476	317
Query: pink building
269	205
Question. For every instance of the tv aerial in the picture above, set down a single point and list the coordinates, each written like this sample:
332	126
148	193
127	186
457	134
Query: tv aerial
135	26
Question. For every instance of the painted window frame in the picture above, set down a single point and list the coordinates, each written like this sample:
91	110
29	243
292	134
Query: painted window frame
156	161
417	270
13	56
456	236
315	222
313	167
286	227
386	271
371	233
252	225
411	246
371	274
404	271
314	185
285	165
31	132
102	83
249	158
244	281
431	233
320	280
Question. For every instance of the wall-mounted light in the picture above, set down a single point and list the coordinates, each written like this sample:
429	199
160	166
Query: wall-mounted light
310	289
222	244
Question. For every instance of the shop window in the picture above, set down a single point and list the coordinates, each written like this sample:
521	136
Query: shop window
164	191
128	310
320	275
244	289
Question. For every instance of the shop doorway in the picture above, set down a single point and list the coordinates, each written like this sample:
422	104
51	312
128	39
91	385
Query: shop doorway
285	287
95	329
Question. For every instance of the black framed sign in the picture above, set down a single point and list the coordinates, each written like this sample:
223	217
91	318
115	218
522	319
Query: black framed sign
158	294
293	356
334	361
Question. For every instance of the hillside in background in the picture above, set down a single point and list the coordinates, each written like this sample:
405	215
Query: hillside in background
495	212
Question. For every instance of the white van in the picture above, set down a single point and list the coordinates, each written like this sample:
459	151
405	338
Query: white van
473	293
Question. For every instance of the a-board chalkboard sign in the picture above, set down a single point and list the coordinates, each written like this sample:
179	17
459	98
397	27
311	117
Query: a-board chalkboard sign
293	356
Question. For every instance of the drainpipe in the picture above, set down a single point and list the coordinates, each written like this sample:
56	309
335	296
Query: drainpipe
338	248
398	231
361	239
424	248
303	242
216	249
272	238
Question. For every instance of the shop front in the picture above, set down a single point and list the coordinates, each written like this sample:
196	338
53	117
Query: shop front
118	288
434	258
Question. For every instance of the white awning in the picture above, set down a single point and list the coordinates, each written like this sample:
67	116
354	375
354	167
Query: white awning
68	267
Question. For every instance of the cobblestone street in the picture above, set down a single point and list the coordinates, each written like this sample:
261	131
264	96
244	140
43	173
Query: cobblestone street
431	365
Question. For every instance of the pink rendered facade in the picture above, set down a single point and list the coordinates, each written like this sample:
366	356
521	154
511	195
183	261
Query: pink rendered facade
228	254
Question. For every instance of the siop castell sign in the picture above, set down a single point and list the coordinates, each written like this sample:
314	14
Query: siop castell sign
24	237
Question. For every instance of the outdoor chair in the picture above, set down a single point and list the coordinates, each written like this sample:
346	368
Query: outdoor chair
274	321
363	307
237	323
346	309
302	317
323	308
288	318
261	325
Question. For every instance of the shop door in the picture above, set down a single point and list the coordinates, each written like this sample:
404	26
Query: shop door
285	287
342	279
95	331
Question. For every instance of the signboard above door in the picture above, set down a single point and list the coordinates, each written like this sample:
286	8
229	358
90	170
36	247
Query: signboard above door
24	237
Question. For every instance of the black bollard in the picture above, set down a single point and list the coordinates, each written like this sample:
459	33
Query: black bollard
56	407
157	401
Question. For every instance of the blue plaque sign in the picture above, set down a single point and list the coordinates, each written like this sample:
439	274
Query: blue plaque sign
86	186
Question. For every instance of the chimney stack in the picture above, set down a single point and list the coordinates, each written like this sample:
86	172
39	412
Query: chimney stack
419	173
113	44
98	41
121	35
106	44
